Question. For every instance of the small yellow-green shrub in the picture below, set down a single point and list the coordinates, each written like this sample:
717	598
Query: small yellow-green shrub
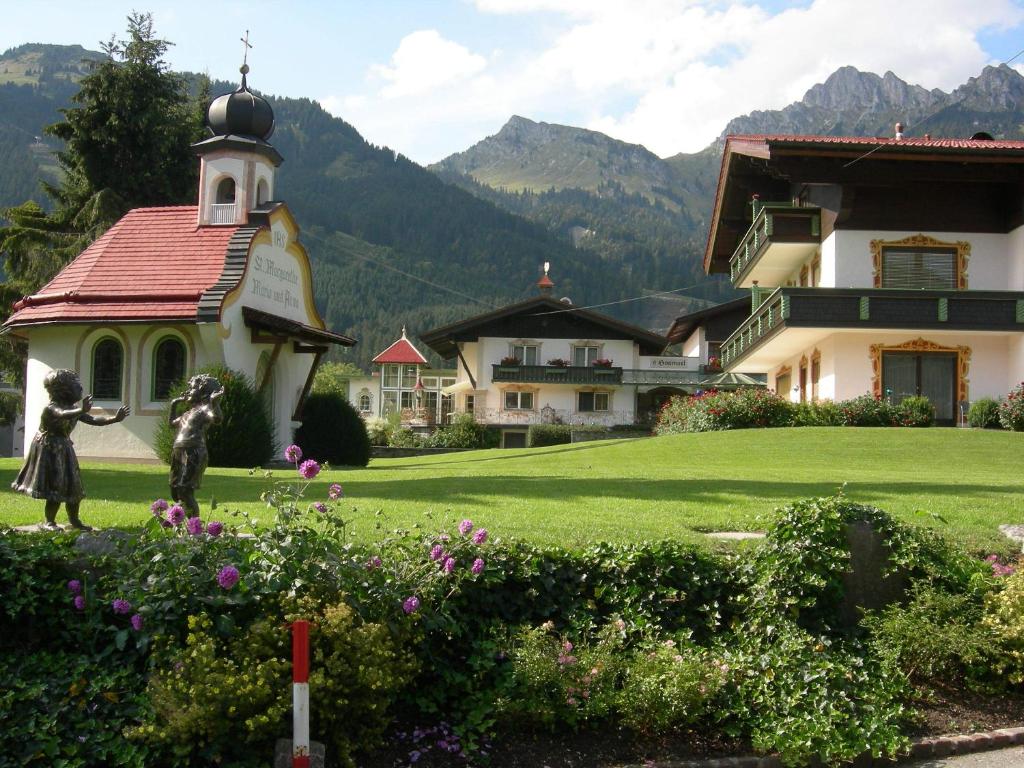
1004	614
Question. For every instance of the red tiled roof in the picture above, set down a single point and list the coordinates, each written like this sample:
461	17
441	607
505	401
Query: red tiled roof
153	264
912	141
402	351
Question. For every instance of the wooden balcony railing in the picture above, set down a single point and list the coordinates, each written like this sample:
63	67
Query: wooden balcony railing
550	374
774	223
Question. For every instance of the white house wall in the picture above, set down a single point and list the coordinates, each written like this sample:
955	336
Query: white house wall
996	363
1016	259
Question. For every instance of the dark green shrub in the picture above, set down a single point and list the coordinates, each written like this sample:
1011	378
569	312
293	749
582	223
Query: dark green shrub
1011	410
245	435
915	412
984	414
403	437
333	431
463	432
10	405
822	413
548	434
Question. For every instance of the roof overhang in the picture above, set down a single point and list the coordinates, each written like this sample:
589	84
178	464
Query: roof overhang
284	328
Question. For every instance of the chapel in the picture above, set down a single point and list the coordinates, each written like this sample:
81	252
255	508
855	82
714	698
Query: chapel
169	290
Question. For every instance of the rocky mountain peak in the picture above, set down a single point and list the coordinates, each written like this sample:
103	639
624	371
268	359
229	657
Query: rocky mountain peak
995	89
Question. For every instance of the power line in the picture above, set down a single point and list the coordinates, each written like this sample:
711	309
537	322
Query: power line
620	301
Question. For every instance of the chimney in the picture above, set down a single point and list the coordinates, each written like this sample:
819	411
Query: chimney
899	131
545	285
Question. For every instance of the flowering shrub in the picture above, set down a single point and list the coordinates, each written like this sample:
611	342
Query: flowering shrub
819	413
510	360
867	411
559	362
1011	410
1004	616
714	410
602	362
915	412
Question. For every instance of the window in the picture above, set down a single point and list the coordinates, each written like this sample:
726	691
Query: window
927	268
430	382
783	381
365	402
447	382
815	272
430	403
815	375
388	403
262	192
582	356
390	375
409	375
525	353
226	191
107	366
931	374
408	400
470	403
168	367
588	402
518	401
803	380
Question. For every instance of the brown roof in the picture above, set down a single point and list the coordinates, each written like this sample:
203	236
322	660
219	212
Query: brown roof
153	264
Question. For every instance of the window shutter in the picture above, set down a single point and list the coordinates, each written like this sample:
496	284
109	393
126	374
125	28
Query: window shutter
933	269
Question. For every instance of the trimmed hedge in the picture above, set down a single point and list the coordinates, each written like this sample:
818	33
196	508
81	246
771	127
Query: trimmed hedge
333	431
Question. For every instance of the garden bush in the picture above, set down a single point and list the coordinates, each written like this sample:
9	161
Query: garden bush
463	432
712	410
867	411
1011	410
548	434
984	414
10	406
243	438
915	411
935	637
1004	615
821	413
333	431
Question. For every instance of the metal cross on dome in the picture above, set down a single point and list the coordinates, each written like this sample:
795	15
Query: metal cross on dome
245	51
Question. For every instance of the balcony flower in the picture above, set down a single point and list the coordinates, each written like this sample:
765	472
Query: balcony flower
558	362
510	360
602	362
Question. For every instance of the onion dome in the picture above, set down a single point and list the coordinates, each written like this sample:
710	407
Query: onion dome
241	113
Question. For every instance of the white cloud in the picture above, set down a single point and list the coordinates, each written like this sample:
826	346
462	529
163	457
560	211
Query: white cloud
668	74
424	61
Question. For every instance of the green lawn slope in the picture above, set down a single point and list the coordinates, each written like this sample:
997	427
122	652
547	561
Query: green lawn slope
962	482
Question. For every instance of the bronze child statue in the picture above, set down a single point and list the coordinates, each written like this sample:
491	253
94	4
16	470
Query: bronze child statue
188	456
51	470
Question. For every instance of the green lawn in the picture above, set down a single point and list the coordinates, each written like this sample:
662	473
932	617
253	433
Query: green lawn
675	486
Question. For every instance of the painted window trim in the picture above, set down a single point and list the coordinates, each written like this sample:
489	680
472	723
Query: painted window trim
961	249
920	344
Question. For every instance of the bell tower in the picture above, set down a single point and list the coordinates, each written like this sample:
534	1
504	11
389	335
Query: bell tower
237	165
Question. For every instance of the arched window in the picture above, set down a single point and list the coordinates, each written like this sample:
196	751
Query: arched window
262	192
226	191
365	403
168	366
107	367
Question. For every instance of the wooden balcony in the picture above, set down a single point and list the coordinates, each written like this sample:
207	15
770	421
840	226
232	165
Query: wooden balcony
549	374
781	237
844	309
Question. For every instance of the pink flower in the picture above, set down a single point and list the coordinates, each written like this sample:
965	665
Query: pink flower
176	514
293	454
194	526
309	469
478	566
449	565
480	536
79	602
465	527
411	604
121	606
334	492
158	507
373	563
320	507
436	552
215	528
227	577
74	586
137	622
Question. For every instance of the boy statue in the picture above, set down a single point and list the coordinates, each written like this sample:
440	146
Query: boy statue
188	456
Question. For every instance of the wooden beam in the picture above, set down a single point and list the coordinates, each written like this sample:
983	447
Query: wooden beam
297	415
465	366
270	369
305	349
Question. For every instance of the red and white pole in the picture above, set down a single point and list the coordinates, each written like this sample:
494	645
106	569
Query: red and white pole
300	694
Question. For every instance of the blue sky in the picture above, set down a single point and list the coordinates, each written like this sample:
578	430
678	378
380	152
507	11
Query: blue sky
431	77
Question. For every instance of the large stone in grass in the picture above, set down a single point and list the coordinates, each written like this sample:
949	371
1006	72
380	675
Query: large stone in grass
283	754
868	585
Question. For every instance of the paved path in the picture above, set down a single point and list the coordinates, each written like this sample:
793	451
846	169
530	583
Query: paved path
1012	757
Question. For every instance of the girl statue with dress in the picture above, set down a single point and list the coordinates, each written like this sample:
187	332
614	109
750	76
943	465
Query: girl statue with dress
51	470
188	455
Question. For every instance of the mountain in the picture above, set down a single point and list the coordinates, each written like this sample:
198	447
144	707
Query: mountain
391	244
854	103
